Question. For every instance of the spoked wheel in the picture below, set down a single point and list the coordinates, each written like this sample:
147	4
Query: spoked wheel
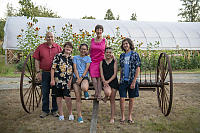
165	84
30	89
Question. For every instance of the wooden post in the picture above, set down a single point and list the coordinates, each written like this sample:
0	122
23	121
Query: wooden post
6	57
93	126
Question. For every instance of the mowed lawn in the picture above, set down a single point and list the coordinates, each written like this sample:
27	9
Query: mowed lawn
184	117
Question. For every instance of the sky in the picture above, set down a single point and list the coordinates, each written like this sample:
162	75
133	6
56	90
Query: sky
146	10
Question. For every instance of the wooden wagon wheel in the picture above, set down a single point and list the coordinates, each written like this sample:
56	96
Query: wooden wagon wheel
30	88
165	84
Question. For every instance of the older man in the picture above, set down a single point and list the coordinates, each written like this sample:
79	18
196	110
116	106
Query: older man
44	55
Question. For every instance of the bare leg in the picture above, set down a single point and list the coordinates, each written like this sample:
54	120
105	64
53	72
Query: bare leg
122	106
131	100
77	91
84	85
69	104
94	82
112	105
99	88
59	103
107	92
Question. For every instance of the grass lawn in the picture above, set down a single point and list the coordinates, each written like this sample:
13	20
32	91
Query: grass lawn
184	116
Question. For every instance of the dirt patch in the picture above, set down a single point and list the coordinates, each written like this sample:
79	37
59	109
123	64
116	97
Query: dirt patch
184	117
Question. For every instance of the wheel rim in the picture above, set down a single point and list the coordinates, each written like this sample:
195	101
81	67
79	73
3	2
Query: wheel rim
164	77
30	89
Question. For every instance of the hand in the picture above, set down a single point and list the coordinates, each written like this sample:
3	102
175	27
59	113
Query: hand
78	81
105	83
39	76
133	85
52	83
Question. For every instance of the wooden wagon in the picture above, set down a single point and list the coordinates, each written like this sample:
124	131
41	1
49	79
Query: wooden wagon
30	88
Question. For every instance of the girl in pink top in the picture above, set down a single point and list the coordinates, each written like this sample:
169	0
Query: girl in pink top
97	49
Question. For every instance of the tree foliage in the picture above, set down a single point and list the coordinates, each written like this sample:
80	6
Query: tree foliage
190	11
134	17
90	17
109	15
2	24
27	8
10	10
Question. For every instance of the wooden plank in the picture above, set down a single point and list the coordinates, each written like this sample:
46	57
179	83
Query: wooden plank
93	126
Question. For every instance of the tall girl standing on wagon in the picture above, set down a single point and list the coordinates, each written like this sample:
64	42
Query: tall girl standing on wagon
97	49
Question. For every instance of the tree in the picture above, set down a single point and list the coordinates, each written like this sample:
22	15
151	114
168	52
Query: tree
117	17
134	17
109	15
2	24
86	17
190	11
10	10
30	10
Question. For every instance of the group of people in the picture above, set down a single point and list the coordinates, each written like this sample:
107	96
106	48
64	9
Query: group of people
59	70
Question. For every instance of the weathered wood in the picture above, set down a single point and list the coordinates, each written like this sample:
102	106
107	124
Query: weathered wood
93	125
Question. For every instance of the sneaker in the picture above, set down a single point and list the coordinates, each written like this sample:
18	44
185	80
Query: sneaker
43	114
71	117
80	120
61	118
86	94
55	114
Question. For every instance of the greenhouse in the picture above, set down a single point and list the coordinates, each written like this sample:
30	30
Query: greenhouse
170	35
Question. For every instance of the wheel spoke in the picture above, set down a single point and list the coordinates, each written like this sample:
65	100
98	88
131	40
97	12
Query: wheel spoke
33	98
166	75
30	100
29	70
26	91
28	97
27	76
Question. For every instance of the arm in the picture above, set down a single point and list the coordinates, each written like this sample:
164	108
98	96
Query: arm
52	83
70	82
134	80
106	42
86	70
101	72
37	68
115	72
105	83
76	73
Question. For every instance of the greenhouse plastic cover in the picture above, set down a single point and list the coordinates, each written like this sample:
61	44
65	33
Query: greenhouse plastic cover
171	35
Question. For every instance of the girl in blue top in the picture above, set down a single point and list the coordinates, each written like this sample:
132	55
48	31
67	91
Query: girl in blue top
130	68
80	78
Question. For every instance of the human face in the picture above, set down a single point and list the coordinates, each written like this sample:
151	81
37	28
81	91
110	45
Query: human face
99	32
126	46
108	54
50	38
68	49
83	50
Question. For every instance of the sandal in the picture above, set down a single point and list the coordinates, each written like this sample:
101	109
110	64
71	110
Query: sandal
98	98
130	121
122	121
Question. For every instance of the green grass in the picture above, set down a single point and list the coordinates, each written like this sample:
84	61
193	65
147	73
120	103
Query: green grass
8	70
187	71
188	123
